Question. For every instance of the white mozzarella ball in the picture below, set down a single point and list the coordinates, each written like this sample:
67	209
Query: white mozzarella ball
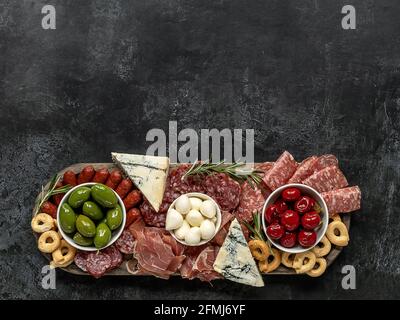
194	218
196	203
214	220
193	236
180	233
208	209
173	220
207	229
182	204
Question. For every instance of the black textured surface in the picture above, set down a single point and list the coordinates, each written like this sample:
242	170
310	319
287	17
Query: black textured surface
114	69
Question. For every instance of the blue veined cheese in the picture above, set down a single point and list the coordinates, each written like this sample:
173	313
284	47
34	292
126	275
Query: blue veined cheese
148	173
234	260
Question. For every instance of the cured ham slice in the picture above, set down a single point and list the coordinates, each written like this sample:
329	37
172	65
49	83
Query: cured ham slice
226	218
343	200
282	170
156	252
199	263
330	178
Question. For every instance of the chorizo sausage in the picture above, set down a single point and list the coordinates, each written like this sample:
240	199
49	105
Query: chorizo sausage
132	199
114	179
49	208
69	178
124	187
86	174
101	176
131	216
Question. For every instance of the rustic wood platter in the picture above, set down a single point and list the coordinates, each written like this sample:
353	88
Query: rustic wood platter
122	271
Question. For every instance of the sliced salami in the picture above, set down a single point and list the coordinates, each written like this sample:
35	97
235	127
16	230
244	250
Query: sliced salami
125	242
326	160
282	170
223	189
264	166
115	255
151	217
343	200
304	170
251	201
98	263
330	178
81	260
181	185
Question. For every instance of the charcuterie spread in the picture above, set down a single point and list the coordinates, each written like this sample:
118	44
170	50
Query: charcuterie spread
142	215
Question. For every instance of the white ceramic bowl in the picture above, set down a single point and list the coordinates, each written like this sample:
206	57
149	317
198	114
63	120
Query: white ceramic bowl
305	190
203	197
114	234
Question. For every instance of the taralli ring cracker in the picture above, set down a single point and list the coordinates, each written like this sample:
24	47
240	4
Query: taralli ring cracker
337	233
64	255
287	259
335	217
304	262
322	248
319	268
49	241
259	249
271	263
42	222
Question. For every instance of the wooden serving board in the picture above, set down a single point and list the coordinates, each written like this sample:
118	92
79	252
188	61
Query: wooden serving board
122	271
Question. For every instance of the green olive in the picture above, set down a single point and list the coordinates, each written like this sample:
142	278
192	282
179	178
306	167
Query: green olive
104	196
92	210
67	218
85	226
83	241
114	217
78	197
103	236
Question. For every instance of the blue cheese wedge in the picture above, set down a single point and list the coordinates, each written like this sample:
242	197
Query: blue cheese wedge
234	260
148	173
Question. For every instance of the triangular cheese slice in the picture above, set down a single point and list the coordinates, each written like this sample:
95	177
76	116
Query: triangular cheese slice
148	173
234	260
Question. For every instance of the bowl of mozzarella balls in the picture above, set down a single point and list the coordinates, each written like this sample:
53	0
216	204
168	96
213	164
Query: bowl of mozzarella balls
193	219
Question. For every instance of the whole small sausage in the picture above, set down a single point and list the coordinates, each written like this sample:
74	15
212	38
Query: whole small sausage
114	179
132	199
49	208
101	176
58	197
131	216
86	174
69	178
124	187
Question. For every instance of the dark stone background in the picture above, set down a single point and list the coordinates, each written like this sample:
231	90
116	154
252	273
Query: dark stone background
115	69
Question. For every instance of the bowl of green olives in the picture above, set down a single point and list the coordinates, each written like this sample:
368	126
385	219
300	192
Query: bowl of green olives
91	216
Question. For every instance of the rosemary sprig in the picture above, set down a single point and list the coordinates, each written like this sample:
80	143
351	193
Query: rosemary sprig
206	168
257	230
45	195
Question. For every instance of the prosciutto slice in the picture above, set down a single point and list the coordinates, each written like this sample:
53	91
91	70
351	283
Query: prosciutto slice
156	252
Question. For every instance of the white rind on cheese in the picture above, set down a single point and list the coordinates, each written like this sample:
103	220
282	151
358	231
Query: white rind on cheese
148	173
235	261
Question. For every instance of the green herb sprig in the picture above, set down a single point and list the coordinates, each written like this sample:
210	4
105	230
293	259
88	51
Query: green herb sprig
256	229
206	168
51	191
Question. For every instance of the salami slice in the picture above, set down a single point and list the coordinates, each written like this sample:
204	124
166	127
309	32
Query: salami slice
305	169
343	200
98	263
223	189
181	185
324	161
282	170
115	255
125	242
81	260
151	217
251	201
330	178
264	166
